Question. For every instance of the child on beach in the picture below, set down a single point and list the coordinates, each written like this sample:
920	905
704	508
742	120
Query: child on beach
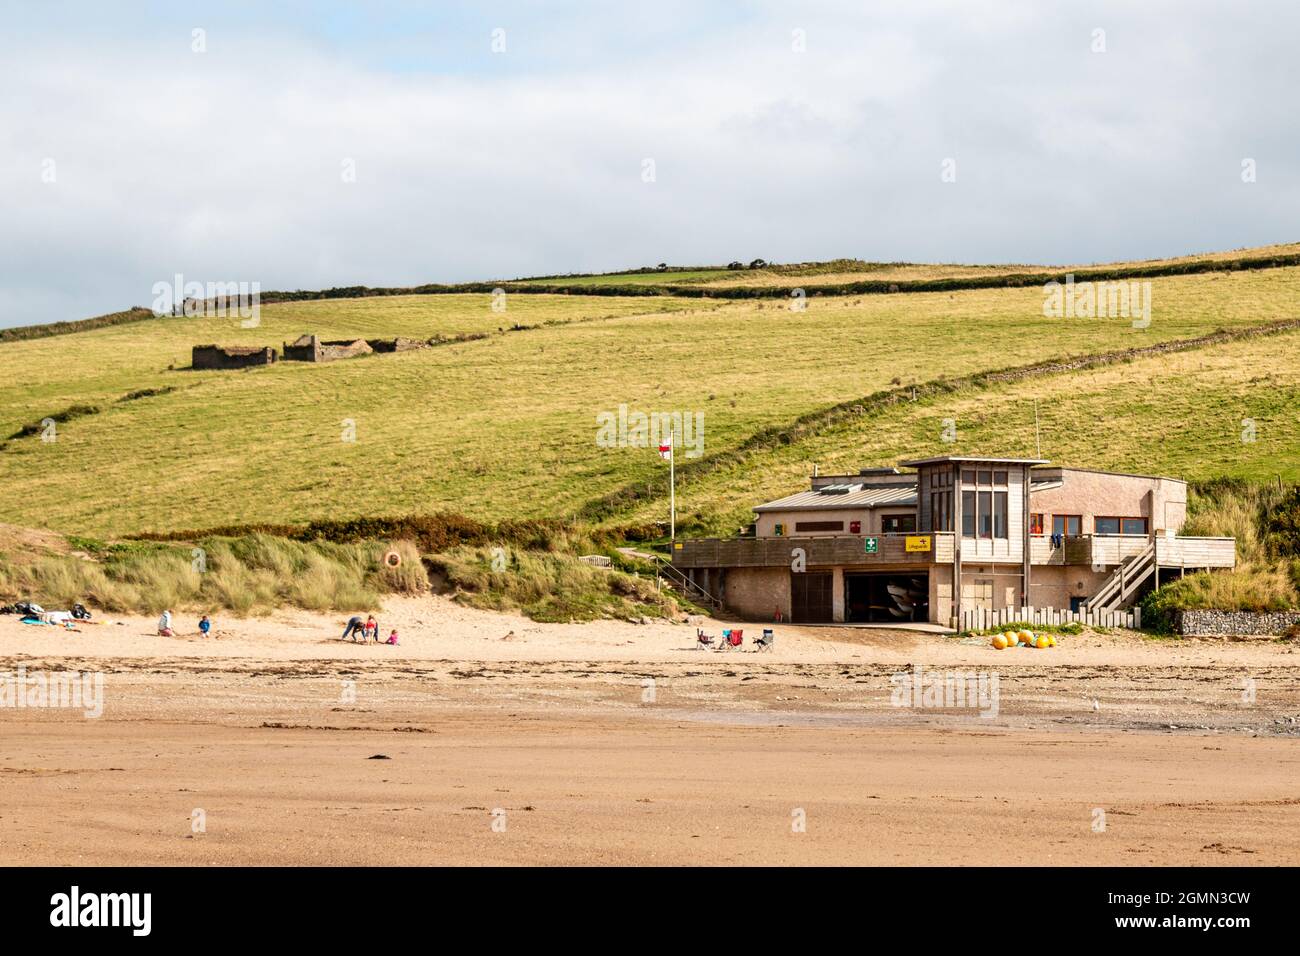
392	638
371	631
165	624
204	626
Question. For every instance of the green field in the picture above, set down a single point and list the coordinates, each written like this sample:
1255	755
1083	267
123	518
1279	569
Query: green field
505	426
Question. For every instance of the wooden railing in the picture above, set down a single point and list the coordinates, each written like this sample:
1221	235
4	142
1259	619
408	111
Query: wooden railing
1111	550
980	619
818	551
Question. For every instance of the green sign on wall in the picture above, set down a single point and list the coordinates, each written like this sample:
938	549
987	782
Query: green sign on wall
869	545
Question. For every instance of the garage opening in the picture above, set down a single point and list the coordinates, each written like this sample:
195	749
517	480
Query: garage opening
810	597
878	597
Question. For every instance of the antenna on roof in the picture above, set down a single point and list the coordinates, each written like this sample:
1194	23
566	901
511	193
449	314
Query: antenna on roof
814	469
1038	441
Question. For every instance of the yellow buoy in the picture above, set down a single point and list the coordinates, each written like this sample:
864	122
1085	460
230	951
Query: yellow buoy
1051	640
1011	638
999	642
1026	636
1044	642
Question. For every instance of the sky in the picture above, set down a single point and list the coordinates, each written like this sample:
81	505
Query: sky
308	145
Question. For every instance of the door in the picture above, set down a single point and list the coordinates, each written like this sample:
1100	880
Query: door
810	597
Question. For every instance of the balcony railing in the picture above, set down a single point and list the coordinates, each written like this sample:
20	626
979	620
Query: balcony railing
1104	550
819	550
1109	550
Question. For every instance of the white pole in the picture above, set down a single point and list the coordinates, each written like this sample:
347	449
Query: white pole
672	484
1038	441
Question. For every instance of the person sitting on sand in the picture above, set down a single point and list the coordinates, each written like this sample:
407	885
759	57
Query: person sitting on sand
371	631
165	624
354	627
204	626
392	637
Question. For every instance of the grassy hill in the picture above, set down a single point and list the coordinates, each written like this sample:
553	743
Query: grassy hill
504	426
841	272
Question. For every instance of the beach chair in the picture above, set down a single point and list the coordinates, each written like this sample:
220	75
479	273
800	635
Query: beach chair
765	642
703	642
732	639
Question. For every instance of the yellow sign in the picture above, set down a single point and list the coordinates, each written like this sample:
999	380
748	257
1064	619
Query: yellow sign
917	543
677	545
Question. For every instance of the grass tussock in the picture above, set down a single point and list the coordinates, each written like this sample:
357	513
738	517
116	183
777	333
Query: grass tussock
548	586
1265	520
244	575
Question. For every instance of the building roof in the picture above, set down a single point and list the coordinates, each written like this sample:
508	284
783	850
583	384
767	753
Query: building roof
845	496
916	463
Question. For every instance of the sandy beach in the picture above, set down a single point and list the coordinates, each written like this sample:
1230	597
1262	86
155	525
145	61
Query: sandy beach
491	739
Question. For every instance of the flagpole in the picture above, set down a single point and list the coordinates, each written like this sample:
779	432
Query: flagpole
672	485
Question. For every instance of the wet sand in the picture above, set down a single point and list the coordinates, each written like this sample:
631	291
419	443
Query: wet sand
647	753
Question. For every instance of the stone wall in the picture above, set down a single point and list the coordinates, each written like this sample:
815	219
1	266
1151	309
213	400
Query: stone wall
230	357
1234	623
398	344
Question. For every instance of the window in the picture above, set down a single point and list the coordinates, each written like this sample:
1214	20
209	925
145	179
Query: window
941	511
1035	523
968	477
897	524
984	514
1113	525
1067	524
819	526
999	477
986	477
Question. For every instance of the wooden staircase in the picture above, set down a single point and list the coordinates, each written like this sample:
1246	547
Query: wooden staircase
1122	586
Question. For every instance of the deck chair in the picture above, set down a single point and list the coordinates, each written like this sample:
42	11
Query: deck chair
703	642
732	639
765	642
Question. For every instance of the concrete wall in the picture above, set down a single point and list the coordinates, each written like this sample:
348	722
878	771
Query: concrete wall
755	594
1054	585
1163	501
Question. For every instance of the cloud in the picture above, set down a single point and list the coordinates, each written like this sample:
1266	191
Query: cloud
227	164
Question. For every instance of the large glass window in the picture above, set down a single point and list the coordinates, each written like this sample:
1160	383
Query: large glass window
1106	526
1133	526
984	514
941	511
1036	523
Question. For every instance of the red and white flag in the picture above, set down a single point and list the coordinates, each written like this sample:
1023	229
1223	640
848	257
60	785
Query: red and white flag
666	449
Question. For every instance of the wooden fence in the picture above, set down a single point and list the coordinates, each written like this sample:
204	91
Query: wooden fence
981	618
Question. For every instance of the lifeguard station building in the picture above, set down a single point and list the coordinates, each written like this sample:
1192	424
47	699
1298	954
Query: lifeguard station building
958	541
